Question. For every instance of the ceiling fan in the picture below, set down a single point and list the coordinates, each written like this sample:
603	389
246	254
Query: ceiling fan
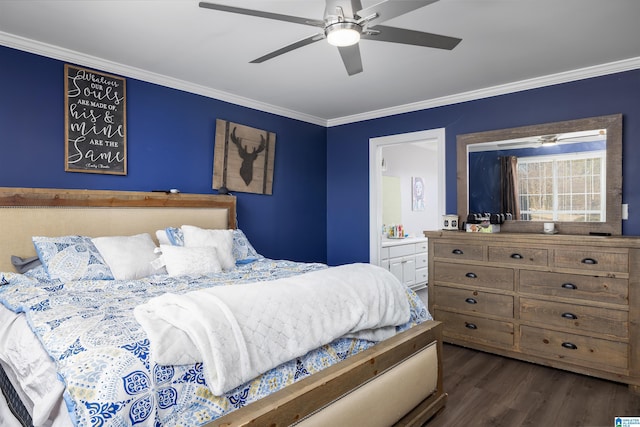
345	22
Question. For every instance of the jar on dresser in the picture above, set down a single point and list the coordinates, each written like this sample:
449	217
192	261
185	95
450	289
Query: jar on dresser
570	302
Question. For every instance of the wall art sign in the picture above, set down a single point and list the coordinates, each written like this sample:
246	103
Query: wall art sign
243	158
417	194
95	122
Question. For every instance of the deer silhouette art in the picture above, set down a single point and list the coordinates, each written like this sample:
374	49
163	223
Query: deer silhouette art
248	158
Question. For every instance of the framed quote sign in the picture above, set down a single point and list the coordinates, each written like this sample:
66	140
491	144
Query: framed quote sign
95	122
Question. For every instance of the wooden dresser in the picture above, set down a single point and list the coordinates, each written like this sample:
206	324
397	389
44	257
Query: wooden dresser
570	302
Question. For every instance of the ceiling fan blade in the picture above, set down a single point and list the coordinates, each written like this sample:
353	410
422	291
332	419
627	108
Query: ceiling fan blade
356	5
300	43
262	14
342	8
516	145
596	133
417	38
351	59
390	9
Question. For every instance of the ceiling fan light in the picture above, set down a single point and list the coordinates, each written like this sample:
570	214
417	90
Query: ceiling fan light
343	34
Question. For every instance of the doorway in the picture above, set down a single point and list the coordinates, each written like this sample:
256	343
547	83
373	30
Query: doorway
428	143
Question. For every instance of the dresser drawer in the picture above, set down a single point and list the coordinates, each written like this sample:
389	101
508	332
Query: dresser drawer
518	255
474	275
581	318
422	260
573	348
422	275
473	301
473	328
402	250
593	288
596	260
384	253
462	251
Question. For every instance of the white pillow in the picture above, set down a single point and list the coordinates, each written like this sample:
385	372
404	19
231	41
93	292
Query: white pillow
222	240
128	257
196	261
162	237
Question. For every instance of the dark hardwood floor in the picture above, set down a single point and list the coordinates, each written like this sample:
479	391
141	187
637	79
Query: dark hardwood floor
489	390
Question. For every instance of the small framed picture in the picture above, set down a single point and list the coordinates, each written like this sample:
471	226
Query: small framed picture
417	194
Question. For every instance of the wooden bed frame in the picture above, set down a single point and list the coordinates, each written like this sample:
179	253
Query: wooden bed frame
397	382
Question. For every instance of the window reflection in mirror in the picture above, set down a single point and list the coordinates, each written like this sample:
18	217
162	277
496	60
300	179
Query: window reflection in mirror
470	179
558	177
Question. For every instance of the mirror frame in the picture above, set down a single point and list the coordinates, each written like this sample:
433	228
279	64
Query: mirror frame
613	125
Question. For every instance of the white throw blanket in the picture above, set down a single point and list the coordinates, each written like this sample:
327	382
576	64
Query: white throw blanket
241	331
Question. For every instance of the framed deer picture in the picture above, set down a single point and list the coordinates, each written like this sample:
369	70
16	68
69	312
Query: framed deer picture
243	158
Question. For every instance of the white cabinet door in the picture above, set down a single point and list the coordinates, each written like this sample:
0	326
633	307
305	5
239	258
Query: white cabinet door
404	269
395	267
408	262
409	271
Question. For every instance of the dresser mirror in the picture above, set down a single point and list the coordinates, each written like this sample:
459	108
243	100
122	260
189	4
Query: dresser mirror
568	173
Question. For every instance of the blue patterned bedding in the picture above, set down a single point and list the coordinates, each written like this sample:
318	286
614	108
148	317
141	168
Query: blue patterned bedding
102	353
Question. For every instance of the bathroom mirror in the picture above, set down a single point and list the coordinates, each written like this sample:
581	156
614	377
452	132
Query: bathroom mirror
543	191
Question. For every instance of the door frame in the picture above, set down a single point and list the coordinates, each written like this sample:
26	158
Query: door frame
438	137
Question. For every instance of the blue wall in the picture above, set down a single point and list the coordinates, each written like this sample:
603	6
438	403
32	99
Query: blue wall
348	147
319	210
170	137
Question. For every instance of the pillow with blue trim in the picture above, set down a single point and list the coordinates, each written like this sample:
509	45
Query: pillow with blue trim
175	235
71	258
243	251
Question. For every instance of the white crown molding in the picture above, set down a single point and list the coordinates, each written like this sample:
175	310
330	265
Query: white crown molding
67	55
77	58
569	76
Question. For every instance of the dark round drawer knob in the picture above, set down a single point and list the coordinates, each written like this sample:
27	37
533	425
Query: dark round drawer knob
569	286
471	301
471	275
457	252
470	325
569	345
589	261
516	256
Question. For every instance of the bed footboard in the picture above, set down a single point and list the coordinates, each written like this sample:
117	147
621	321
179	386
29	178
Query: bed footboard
398	381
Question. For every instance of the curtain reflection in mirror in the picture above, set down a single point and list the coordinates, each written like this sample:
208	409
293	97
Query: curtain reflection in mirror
509	200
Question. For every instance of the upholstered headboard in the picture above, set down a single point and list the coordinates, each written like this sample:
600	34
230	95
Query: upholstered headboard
27	212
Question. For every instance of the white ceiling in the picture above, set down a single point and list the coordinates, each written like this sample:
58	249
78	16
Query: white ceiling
507	45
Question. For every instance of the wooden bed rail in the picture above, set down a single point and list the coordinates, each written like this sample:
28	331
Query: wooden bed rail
300	399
